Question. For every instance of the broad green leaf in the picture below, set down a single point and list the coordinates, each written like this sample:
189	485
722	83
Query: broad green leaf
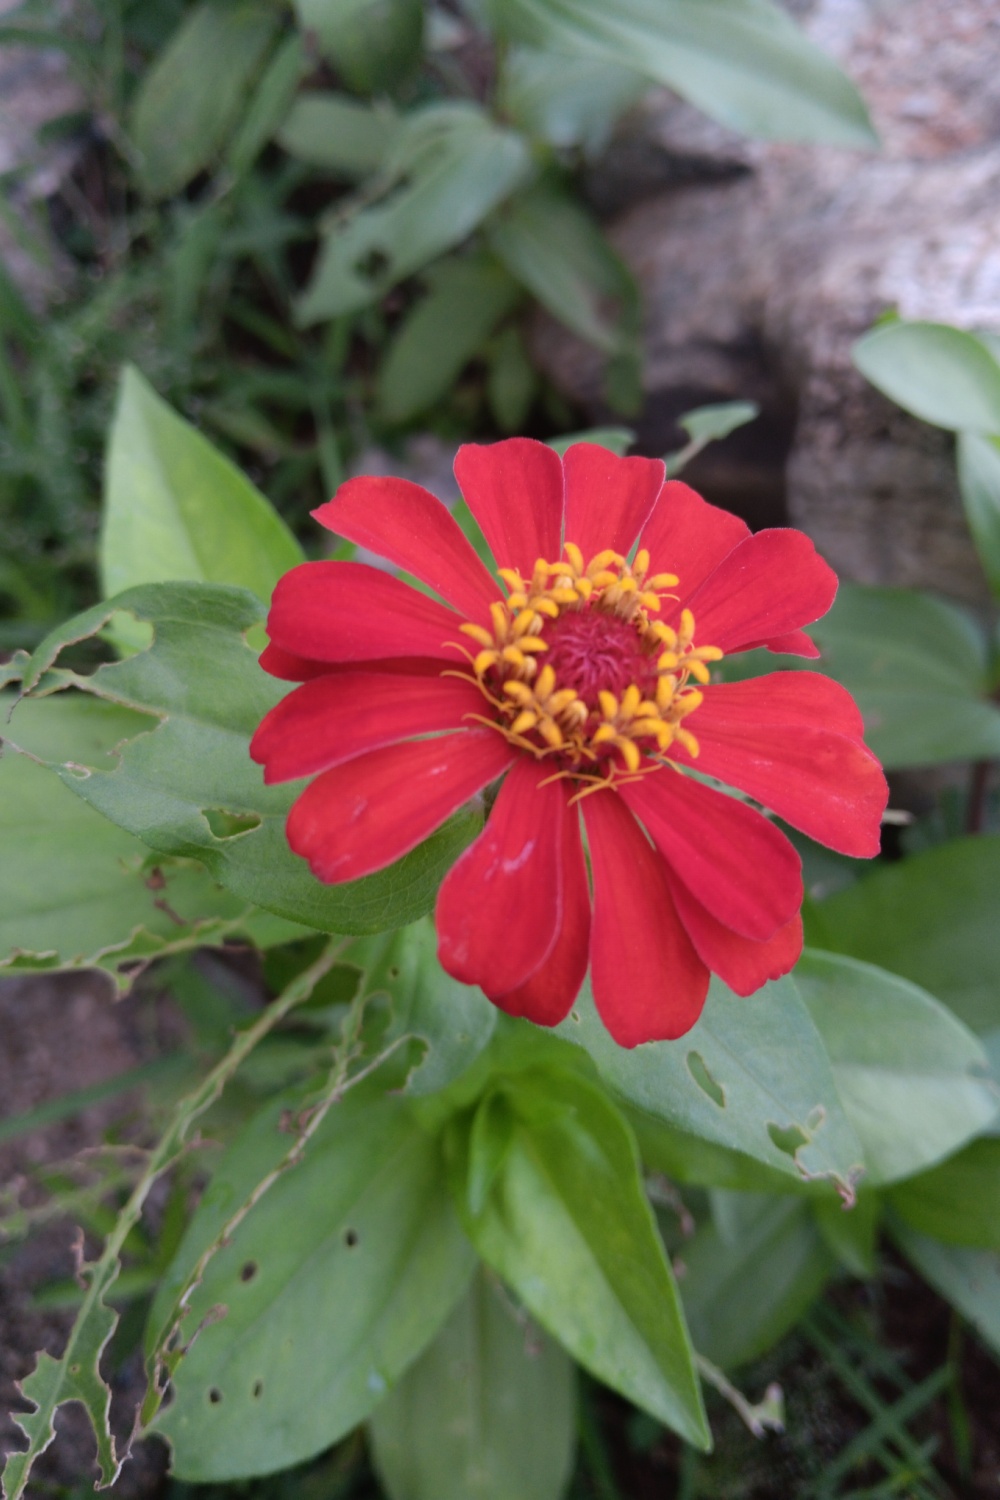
338	1277
709	423
191	100
438	337
851	1231
917	667
936	372
566	101
188	788
979	478
691	1159
959	1201
269	106
554	248
75	890
969	1279
743	62
752	1075
453	1021
486	1413
334	131
741	1296
553	1201
176	508
912	1078
450	166
373	44
931	918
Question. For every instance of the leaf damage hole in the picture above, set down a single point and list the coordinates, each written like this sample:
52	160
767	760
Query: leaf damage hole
215	1395
351	1238
229	825
394	972
698	1068
248	1271
258	1389
373	265
788	1138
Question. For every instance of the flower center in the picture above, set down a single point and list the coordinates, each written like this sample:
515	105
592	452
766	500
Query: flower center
575	668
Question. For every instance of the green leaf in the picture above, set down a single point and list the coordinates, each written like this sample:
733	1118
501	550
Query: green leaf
938	373
707	424
268	107
931	918
176	508
454	1021
917	667
910	1075
373	44
566	101
339	1277
334	131
565	1221
512	381
487	1411
969	1279
193	96
75	890
616	439
742	61
851	1231
438	337
752	1075
741	1295
959	1201
554	248
449	168
189	788
979	479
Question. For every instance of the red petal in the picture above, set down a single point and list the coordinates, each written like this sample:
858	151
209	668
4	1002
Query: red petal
346	611
408	525
829	786
608	498
546	997
730	857
687	536
334	718
366	814
290	668
741	964
780	699
796	643
649	984
772	583
515	491
500	907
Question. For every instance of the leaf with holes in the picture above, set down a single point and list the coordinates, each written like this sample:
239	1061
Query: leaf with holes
912	1078
346	1269
488	1410
188	788
546	1175
744	62
75	890
931	918
752	1075
742	1291
449	167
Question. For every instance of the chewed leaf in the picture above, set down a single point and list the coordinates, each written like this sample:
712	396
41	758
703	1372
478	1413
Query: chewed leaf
73	1377
170	785
752	1075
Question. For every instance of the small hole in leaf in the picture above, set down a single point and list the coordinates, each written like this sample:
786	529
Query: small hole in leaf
229	825
698	1069
215	1395
74	1369
373	264
393	972
351	1238
249	1271
258	1389
788	1138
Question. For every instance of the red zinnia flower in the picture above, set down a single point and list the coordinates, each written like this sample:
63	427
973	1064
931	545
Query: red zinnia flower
577	679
